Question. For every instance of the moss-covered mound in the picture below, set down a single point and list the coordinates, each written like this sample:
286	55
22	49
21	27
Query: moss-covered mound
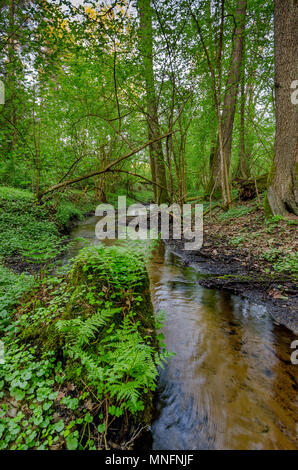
82	367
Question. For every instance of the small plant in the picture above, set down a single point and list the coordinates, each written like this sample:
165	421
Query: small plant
275	219
12	288
271	255
235	212
236	241
287	263
283	262
273	222
292	222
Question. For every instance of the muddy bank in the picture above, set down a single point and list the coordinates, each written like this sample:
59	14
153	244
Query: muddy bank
239	273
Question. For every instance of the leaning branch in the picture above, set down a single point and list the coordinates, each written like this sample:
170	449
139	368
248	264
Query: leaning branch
138	176
107	168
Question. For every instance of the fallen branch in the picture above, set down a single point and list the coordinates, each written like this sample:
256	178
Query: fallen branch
107	168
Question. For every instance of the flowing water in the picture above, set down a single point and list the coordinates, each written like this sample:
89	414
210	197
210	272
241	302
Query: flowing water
231	383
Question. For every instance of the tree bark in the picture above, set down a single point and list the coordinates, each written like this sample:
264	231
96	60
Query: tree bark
230	98
282	191
243	167
9	111
158	170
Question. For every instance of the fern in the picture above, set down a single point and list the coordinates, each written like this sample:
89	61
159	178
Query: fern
81	331
118	362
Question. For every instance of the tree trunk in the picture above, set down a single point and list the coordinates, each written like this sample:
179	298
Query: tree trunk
282	190
230	99
9	111
158	170
100	182
243	168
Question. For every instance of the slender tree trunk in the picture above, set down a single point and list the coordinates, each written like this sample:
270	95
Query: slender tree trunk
282	190
250	116
10	108
243	168
158	169
100	182
223	150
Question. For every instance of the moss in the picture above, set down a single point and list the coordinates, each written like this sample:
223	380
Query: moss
267	209
245	278
253	278
101	279
216	195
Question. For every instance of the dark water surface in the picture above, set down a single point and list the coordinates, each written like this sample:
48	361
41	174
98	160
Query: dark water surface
231	384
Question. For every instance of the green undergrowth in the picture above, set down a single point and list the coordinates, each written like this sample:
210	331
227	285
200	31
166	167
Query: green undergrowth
30	239
81	357
30	231
282	261
237	211
26	229
12	288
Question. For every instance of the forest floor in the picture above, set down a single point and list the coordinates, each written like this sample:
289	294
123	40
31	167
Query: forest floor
251	256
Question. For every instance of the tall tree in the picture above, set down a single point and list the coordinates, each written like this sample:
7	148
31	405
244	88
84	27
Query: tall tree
222	157
158	169
282	191
243	166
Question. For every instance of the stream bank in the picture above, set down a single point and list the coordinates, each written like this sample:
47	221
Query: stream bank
81	357
231	272
81	349
252	256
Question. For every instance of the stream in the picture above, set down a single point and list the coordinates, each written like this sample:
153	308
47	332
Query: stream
231	383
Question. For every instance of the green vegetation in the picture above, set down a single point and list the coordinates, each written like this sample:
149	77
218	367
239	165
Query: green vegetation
12	288
25	228
82	355
165	101
81	349
234	212
236	241
32	232
287	262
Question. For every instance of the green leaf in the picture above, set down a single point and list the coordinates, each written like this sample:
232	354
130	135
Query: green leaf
59	426
72	442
